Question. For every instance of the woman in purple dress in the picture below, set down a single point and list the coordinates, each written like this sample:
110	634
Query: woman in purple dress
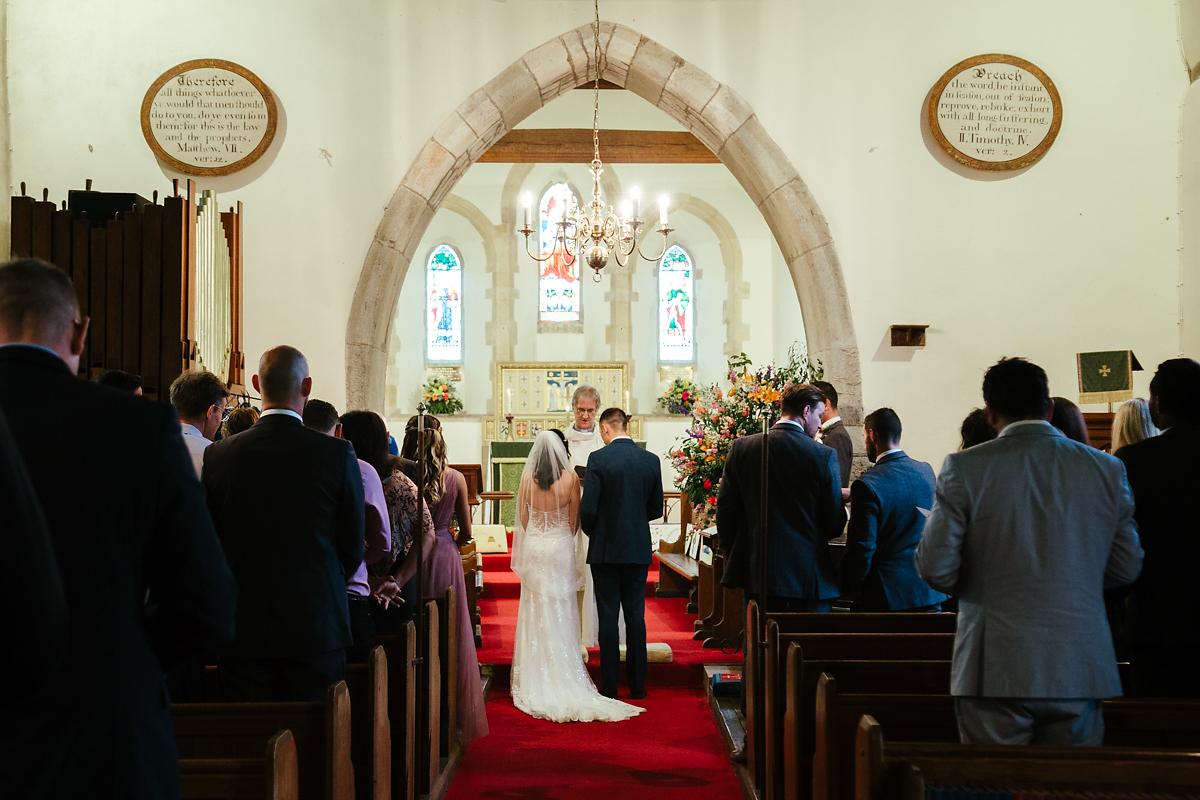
445	492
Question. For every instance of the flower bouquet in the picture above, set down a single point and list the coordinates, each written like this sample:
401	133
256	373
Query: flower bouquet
680	397
720	416
441	397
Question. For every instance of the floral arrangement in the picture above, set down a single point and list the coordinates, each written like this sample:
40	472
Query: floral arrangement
441	397
680	397
720	416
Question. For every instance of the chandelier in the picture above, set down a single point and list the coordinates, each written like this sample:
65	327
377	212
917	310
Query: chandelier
596	231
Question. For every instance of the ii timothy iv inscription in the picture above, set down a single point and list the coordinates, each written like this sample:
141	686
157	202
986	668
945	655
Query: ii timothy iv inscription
994	112
208	117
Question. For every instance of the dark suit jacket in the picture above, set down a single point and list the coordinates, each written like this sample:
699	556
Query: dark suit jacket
144	577
1165	481
287	502
879	567
805	512
838	438
622	492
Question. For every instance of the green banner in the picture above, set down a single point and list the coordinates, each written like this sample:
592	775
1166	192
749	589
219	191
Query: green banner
1105	377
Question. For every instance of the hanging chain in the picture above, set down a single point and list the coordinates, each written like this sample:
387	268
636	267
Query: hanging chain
596	88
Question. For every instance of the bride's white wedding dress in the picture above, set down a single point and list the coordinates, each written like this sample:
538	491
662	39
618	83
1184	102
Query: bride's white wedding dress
549	679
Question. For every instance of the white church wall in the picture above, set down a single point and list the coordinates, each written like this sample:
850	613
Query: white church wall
1077	253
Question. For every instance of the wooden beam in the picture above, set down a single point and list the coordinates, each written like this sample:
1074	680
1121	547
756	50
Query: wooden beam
574	146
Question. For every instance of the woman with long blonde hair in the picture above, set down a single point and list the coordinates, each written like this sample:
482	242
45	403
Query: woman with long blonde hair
1132	423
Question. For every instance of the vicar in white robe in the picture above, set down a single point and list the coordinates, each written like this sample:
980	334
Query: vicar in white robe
583	439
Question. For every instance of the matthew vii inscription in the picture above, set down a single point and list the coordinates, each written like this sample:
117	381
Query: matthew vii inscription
208	117
994	112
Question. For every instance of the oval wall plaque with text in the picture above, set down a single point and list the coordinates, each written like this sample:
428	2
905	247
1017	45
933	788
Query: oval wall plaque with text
208	117
994	112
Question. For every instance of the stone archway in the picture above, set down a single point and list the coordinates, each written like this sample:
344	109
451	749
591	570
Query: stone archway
712	111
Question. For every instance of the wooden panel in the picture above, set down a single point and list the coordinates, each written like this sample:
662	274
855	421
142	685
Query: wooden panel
131	311
174	260
152	301
81	273
115	297
1099	428
21	245
97	305
43	234
574	146
61	251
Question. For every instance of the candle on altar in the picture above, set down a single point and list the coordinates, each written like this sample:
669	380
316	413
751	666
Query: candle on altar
508	400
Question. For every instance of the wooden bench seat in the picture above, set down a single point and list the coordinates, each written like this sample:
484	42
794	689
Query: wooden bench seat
371	729
677	575
401	652
904	770
273	776
321	731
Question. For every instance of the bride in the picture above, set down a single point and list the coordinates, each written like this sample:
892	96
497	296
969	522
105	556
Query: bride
549	680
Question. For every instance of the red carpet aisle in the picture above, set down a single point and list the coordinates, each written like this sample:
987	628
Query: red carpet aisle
671	751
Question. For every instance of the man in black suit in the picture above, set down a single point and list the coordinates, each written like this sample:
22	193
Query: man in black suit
834	433
888	508
1165	637
145	581
288	505
622	492
805	509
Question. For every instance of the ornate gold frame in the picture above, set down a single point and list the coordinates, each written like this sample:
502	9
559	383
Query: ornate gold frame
215	63
1021	162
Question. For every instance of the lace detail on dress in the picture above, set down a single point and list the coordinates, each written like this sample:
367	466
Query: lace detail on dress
549	678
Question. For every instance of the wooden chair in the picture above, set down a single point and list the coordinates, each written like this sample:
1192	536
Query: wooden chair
401	651
371	748
274	775
905	770
238	730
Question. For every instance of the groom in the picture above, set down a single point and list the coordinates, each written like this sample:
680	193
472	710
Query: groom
622	492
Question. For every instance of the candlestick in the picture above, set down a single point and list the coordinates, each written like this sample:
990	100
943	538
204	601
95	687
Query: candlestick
508	400
662	210
627	408
527	202
636	194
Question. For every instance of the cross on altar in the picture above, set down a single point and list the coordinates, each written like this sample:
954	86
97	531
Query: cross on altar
1104	371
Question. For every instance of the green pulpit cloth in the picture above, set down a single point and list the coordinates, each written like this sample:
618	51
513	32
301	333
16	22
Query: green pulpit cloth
507	462
1106	377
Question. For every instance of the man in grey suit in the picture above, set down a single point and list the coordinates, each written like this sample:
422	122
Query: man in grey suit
1027	530
834	433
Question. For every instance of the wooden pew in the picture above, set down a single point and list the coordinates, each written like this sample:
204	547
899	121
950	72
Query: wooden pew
904	770
930	718
429	700
708	584
725	625
448	656
401	651
789	768
274	775
371	731
764	677
238	730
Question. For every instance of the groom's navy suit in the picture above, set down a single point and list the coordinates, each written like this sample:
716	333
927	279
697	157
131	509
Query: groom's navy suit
622	492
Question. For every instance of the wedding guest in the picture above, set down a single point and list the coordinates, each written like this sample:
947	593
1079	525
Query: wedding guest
834	433
1132	423
805	509
199	398
239	419
408	446
1069	419
145	581
976	429
122	381
888	507
445	492
293	536
1165	638
1027	531
377	534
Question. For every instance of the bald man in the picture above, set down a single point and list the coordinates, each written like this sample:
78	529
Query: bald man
288	505
145	582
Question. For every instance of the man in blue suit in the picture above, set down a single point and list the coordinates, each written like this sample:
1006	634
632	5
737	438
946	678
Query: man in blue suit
622	492
888	508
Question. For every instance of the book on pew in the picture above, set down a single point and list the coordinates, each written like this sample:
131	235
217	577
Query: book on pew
727	684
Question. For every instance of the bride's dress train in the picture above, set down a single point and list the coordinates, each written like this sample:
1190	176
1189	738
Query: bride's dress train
549	680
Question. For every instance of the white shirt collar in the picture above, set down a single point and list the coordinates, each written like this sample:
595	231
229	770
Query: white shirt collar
191	430
287	411
622	436
881	456
830	423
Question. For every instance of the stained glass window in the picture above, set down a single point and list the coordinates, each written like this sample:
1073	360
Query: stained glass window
558	284
443	305
676	312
